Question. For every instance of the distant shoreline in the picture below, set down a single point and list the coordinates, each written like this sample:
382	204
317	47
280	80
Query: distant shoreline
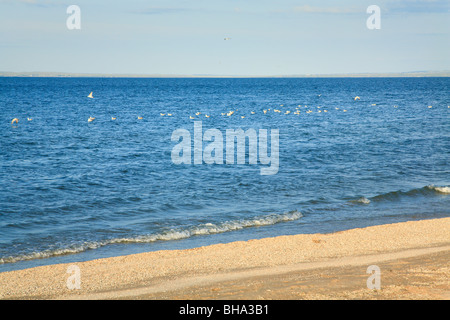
418	74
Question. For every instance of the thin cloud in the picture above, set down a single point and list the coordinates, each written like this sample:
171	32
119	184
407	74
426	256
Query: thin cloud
418	6
326	10
390	6
160	10
35	3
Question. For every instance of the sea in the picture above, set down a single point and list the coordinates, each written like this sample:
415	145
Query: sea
345	152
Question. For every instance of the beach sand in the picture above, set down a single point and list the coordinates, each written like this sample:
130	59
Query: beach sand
413	259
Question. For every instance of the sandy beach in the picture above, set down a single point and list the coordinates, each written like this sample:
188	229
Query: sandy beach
412	258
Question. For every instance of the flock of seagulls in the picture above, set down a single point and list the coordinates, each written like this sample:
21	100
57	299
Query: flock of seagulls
297	111
230	113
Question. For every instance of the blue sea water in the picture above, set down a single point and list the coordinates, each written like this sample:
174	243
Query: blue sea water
73	190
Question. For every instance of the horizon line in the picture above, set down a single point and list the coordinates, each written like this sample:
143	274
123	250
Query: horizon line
52	74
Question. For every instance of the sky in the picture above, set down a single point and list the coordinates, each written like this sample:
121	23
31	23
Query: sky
181	37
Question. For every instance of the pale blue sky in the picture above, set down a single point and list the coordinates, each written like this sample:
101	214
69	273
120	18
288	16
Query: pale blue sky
283	37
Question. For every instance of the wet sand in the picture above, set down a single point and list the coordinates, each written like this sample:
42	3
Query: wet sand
413	259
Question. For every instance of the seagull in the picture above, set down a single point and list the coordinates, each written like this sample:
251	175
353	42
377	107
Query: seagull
15	120
357	98
29	119
113	118
198	113
207	116
90	95
91	119
139	118
191	117
430	107
162	114
169	114
227	39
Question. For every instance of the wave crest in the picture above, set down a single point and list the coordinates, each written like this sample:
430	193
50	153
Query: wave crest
394	195
211	228
362	200
424	191
445	190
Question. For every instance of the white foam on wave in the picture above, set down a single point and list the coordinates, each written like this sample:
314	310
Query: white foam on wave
362	200
445	190
211	228
172	234
52	252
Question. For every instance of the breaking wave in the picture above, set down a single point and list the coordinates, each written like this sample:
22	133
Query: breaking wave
362	200
171	234
396	195
425	191
445	190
